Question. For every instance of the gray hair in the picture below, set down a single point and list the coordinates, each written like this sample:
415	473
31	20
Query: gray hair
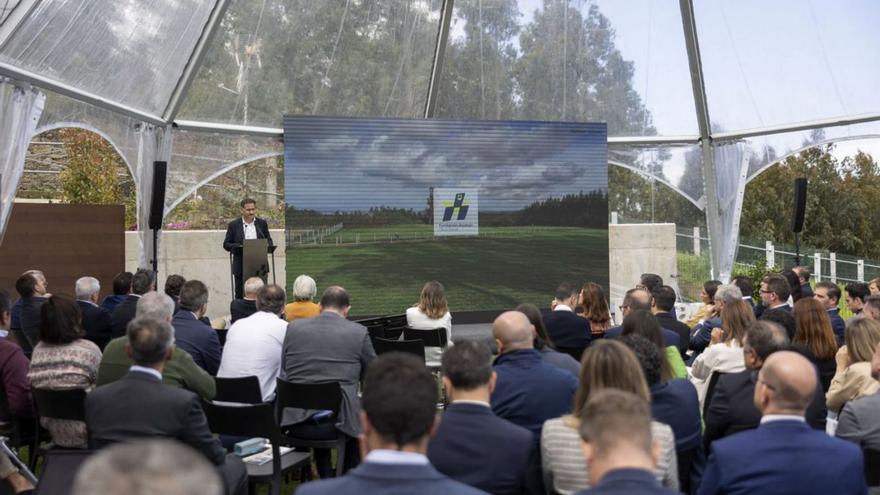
155	305
253	285
150	340
728	294
86	287
144	467
304	288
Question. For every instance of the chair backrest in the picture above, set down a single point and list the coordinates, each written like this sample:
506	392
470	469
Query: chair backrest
416	347
872	467
59	470
436	337
318	396
376	331
255	420
60	404
221	335
710	390
245	390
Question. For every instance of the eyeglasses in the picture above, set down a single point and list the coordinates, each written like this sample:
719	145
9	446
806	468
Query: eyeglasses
764	291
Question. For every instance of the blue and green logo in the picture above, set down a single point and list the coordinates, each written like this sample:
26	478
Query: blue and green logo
457	208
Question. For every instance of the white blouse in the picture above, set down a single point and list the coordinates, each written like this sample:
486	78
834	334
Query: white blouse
420	321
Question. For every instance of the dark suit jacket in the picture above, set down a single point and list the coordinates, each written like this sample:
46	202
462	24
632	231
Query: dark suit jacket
628	481
732	408
470	432
567	330
110	302
141	406
675	403
838	325
376	478
235	238
96	323
124	313
792	459
242	308
30	317
670	322
806	290
198	339
670	338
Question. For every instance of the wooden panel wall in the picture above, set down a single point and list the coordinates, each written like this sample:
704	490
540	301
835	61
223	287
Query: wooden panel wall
65	242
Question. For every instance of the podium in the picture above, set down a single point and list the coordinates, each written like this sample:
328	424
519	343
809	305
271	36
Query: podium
254	261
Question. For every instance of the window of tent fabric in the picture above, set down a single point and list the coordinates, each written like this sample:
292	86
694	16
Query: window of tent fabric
623	62
127	51
774	63
334	57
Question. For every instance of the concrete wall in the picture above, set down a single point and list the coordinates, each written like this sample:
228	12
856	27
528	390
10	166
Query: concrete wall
199	254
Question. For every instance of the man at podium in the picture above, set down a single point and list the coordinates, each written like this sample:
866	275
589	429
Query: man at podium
242	229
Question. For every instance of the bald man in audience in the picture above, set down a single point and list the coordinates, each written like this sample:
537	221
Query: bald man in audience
784	455
528	391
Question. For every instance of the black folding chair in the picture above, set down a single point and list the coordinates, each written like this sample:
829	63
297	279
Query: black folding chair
244	390
59	471
221	335
57	404
256	420
710	390
319	397
435	337
415	347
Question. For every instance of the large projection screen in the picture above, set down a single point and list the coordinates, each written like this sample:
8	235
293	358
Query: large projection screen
499	212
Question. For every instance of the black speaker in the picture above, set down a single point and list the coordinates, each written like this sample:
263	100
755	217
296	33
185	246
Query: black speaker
157	203
800	205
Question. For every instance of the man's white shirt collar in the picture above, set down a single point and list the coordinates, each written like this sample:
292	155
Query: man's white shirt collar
563	307
383	456
769	418
144	369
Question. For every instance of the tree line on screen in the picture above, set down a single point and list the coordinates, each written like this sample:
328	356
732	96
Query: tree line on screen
580	209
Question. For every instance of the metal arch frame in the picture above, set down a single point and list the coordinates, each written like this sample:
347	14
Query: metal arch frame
662	181
195	60
15	18
439	54
72	124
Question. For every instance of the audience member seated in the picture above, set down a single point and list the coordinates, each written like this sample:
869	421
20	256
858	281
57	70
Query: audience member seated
784	455
148	466
13	376
304	290
859	421
828	294
663	308
542	342
173	284
872	307
472	445
181	371
616	430
639	299
569	332
528	391
803	274
707	310
191	333
643	323
650	281
814	338
399	397
744	284
140	406
607	364
254	344
853	379
856	292
328	348
724	354
702	333
731	408
63	360
142	281
432	311
675	403
592	299
781	318
794	285
95	319
775	292
121	290
873	286
31	286
242	308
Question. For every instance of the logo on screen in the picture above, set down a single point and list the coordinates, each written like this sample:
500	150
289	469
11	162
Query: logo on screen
457	208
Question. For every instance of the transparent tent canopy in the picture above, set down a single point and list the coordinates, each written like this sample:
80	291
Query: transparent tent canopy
699	95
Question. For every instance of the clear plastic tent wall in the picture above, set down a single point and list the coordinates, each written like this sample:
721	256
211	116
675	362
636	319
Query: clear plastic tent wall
699	95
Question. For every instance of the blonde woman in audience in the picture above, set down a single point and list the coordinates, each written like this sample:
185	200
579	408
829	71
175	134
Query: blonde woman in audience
724	354
432	311
592	299
814	338
853	377
64	360
304	290
874	286
606	364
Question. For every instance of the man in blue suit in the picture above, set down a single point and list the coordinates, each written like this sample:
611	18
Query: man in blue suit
828	294
640	299
569	332
616	430
399	415
193	335
803	274
469	430
784	455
